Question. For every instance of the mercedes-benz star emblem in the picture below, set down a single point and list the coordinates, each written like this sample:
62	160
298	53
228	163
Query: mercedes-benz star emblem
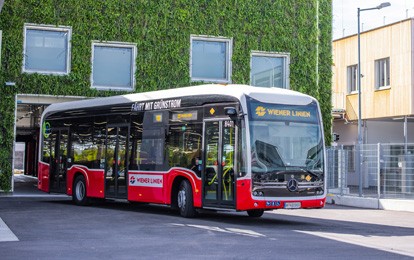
292	185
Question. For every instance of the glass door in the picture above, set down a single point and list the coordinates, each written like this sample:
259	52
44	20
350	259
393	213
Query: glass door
116	170
218	171
58	159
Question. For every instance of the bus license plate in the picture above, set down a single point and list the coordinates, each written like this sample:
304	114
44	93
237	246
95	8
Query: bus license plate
292	205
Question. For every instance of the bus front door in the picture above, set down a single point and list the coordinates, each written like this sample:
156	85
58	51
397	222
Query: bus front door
218	171
58	160
116	172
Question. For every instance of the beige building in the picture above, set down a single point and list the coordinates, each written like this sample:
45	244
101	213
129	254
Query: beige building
387	85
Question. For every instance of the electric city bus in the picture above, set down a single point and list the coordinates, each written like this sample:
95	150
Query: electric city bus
218	147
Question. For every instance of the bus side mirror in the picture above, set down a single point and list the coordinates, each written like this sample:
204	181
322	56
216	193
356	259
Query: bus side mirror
230	111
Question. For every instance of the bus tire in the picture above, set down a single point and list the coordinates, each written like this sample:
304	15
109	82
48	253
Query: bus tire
185	200
79	191
255	213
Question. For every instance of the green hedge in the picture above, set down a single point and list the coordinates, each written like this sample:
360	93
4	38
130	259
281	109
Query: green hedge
161	29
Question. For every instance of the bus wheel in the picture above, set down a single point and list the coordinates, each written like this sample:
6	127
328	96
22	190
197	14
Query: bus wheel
79	191
185	200
255	213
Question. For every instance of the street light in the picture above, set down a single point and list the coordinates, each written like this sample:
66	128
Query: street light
360	141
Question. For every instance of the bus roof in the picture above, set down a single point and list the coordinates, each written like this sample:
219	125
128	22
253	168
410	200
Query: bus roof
268	95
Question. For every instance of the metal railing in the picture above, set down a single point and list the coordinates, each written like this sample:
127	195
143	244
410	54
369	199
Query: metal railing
387	171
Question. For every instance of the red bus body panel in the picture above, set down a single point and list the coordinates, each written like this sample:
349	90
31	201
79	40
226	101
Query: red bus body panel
147	187
95	180
156	187
246	202
43	176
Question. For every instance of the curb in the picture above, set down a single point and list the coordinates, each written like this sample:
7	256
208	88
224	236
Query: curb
371	203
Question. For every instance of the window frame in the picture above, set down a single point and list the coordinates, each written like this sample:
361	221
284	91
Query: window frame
44	27
386	73
349	80
286	67
229	54
1	43
111	44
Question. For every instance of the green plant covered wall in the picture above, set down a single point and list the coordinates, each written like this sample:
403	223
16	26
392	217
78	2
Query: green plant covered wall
161	29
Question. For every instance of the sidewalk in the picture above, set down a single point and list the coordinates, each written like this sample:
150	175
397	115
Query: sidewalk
386	230
26	186
371	203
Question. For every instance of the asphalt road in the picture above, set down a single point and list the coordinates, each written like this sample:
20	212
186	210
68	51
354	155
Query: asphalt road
47	227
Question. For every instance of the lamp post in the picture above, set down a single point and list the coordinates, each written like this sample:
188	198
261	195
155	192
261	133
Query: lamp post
360	138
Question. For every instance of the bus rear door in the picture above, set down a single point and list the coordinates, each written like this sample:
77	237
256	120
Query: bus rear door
59	139
116	172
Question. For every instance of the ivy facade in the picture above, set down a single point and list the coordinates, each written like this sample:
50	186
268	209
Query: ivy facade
93	48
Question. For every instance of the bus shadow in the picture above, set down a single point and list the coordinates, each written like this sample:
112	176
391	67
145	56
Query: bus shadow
274	221
279	222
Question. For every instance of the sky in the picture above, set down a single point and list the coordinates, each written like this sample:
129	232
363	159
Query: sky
345	19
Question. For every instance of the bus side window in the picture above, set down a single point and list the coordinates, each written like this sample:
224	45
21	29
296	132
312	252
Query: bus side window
84	150
153	141
184	146
47	150
99	137
135	139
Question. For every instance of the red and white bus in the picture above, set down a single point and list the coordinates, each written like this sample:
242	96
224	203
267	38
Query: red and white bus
220	147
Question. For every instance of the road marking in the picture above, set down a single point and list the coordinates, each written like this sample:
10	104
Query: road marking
178	225
236	231
5	233
210	228
245	232
402	245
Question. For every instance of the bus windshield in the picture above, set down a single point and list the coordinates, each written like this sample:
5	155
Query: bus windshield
276	145
286	143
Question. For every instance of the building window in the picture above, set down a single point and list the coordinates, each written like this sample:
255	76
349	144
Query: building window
113	66
382	73
46	49
269	69
352	72
210	59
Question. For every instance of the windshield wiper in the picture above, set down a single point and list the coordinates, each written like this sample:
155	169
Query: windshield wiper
306	170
